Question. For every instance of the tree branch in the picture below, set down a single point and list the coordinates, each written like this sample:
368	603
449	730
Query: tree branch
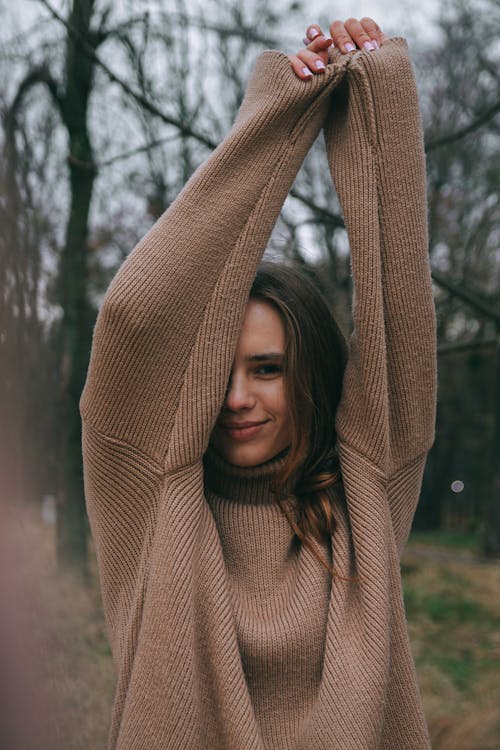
327	215
142	100
466	296
103	33
323	213
481	120
40	74
119	157
456	347
245	32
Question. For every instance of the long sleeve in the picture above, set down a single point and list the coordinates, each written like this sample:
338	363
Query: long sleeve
166	331
376	156
385	421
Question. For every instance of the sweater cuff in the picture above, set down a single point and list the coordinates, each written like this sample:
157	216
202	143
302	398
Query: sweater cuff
275	92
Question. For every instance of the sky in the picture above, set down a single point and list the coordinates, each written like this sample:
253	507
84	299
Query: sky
409	16
396	16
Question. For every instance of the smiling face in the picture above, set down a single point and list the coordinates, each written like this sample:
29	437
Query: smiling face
254	424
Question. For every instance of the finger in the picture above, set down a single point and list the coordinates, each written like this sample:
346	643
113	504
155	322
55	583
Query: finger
357	32
341	38
316	63
319	43
313	31
373	30
299	68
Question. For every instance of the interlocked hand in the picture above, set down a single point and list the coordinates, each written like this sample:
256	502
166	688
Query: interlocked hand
347	36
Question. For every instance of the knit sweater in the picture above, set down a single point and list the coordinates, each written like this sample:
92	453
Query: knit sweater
225	635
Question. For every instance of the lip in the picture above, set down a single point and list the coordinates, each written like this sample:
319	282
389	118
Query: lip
243	430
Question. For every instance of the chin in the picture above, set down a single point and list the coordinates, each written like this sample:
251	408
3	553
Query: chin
246	456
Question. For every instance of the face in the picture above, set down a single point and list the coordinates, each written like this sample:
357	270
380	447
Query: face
254	424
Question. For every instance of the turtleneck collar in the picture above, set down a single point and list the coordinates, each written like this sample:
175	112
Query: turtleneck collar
248	485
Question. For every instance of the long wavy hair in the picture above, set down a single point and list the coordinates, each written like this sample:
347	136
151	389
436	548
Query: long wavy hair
315	359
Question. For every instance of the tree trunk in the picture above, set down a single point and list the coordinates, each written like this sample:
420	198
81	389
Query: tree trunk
491	533
76	324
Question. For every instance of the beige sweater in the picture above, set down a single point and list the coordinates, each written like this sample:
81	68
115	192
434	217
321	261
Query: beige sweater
224	635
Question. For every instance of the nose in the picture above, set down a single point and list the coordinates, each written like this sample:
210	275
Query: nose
239	394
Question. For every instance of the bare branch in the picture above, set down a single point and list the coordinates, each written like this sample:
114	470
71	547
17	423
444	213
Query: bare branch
142	100
455	348
116	31
125	155
40	74
245	32
481	120
326	215
459	291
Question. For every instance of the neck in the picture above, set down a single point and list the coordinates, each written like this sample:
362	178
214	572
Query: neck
243	484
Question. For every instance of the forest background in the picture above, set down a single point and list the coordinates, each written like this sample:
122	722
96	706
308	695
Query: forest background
106	111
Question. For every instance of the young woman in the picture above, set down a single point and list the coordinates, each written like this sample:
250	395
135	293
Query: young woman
250	487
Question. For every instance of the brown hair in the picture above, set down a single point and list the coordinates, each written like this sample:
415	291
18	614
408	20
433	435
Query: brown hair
315	359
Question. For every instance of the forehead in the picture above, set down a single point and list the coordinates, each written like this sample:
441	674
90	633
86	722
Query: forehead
262	330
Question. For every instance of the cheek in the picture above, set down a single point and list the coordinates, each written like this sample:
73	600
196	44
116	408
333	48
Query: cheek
276	399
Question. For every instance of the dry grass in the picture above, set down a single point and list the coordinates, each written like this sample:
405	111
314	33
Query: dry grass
454	620
453	610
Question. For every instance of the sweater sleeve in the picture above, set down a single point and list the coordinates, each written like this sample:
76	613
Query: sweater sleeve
167	329
375	151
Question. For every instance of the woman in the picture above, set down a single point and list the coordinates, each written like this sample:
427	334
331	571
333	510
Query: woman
214	438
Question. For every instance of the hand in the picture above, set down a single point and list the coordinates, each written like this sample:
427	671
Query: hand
347	37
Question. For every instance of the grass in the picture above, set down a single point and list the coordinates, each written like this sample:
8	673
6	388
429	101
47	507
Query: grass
453	610
447	540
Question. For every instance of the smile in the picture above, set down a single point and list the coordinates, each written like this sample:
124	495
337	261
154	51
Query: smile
244	430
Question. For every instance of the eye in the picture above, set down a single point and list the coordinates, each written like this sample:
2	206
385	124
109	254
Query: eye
268	370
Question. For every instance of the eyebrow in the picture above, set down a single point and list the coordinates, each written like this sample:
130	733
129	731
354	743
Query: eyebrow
265	357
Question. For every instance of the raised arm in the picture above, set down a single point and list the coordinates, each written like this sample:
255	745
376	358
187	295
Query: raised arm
165	336
376	157
179	297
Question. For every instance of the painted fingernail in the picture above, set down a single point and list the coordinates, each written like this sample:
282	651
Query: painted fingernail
306	41
375	44
320	65
307	72
349	47
369	46
312	33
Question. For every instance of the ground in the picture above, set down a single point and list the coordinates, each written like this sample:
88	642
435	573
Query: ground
452	601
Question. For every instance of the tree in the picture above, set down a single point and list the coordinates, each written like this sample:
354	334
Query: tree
463	142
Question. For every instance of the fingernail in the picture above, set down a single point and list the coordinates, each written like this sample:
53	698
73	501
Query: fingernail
375	44
320	65
313	33
349	47
369	46
307	72
306	41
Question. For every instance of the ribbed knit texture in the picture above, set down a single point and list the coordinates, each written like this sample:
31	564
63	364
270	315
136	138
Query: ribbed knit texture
226	635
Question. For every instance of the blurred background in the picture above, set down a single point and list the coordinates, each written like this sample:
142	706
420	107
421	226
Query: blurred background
106	110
